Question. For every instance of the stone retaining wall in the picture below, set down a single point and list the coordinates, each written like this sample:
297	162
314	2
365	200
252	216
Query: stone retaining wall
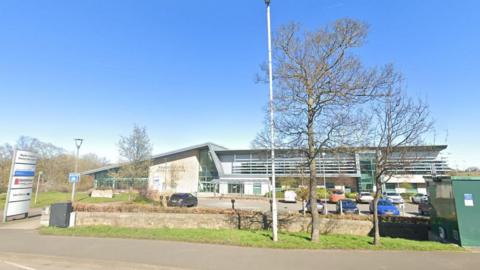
290	223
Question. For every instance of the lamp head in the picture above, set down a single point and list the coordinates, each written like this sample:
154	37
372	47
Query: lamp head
78	142
267	2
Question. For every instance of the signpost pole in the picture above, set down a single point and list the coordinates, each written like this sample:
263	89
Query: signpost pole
38	186
5	209
78	143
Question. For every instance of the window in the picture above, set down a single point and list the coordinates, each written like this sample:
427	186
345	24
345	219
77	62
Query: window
257	189
235	188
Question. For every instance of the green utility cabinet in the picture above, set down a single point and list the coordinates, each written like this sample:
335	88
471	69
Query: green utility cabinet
455	215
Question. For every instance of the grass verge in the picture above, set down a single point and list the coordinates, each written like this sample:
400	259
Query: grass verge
260	239
47	198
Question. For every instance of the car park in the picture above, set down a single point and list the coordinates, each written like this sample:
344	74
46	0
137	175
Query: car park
320	206
393	197
336	196
290	196
347	207
385	208
417	198
364	197
182	200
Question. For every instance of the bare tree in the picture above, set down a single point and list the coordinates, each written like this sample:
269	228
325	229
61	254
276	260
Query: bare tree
55	163
398	124
135	151
318	83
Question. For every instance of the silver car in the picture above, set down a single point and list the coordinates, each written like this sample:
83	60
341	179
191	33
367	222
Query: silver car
319	206
418	198
395	198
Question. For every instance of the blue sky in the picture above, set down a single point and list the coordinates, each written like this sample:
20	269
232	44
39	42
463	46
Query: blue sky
186	69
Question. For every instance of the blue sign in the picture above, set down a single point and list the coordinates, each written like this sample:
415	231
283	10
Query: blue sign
73	177
24	173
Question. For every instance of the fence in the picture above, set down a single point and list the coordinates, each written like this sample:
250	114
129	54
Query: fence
120	183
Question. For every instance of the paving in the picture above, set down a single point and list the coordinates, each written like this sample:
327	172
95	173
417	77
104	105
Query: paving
264	205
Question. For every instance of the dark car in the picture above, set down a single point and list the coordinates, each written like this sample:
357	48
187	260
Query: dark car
424	207
182	200
348	207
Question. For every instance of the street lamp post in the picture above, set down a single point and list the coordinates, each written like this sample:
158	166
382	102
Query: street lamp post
78	143
325	210
272	132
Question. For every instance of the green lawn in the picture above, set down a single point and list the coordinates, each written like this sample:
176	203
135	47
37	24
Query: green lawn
252	238
47	198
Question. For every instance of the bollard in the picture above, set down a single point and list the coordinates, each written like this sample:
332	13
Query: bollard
233	204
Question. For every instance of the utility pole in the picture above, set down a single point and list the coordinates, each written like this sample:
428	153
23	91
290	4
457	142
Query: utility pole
78	143
272	132
38	185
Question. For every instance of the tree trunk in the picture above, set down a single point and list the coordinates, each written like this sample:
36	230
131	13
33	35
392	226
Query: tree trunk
376	227
313	171
315	236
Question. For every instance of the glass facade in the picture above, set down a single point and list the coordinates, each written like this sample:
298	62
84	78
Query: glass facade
367	173
207	172
236	188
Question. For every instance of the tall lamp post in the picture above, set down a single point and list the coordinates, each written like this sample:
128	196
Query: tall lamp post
78	143
272	132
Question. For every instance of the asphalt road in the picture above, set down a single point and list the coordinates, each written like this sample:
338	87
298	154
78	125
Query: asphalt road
26	249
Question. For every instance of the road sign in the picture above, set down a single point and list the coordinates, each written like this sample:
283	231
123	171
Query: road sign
73	177
20	184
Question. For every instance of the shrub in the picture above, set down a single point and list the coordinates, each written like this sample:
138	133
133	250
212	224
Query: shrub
351	195
279	194
322	193
302	193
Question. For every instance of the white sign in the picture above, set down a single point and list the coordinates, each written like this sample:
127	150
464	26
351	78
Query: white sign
20	185
468	198
17	208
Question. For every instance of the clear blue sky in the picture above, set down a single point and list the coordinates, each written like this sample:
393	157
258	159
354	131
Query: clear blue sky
186	69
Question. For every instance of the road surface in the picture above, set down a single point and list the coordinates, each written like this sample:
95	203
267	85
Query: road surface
26	249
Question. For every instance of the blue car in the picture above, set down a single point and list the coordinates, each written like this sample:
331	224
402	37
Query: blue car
347	207
385	208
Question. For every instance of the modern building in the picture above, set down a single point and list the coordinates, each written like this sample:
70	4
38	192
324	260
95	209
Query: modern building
210	168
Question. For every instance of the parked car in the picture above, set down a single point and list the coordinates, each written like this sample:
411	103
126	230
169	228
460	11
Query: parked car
417	198
385	208
364	197
424	207
336	196
320	206
348	207
290	196
393	197
182	200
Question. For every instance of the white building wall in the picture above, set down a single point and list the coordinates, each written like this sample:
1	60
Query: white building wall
248	188
265	188
178	175
223	188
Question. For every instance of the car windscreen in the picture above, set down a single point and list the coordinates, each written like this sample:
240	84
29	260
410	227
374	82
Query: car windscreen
365	194
392	194
384	203
179	196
